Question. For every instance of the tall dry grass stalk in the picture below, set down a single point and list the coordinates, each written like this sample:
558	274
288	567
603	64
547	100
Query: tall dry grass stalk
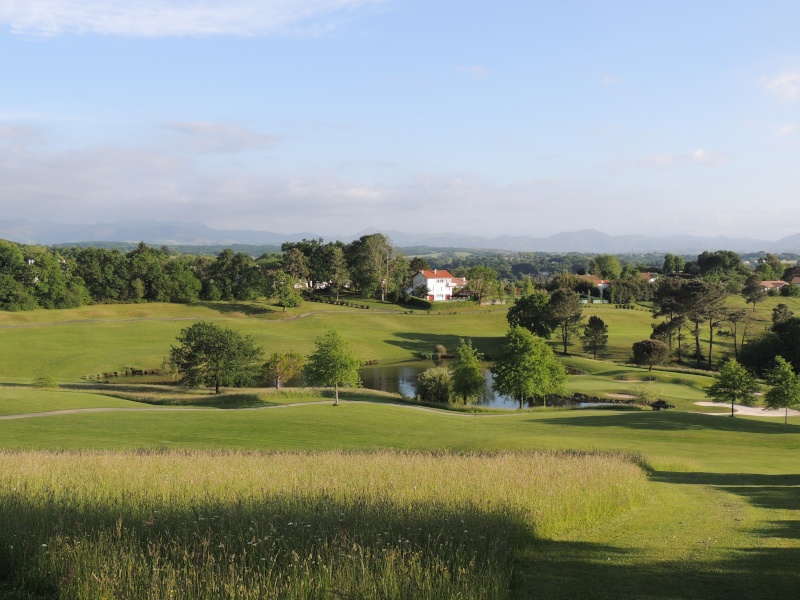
292	525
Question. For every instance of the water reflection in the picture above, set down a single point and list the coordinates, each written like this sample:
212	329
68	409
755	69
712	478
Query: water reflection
402	378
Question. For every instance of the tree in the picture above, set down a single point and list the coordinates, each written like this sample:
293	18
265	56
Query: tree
739	320
595	335
753	290
370	263
527	368
531	313
606	266
435	385
667	303
784	389
207	354
339	275
295	264
700	301
733	384
481	281
418	264
770	268
565	314
467	371
650	352
283	366
528	287
282	287
673	264
781	313
333	363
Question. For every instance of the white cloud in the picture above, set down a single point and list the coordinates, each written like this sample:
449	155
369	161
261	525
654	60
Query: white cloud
787	130
210	137
609	80
785	86
152	18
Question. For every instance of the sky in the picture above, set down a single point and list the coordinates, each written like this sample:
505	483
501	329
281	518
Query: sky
494	118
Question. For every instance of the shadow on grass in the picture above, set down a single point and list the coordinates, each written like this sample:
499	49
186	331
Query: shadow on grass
673	421
425	342
777	492
577	570
225	308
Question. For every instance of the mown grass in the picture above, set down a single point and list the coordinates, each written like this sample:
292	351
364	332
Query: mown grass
21	400
69	344
236	525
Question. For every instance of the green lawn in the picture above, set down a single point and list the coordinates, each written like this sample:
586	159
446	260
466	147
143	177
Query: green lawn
724	511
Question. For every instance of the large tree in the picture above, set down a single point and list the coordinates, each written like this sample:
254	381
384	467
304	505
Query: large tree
526	368
650	353
375	265
667	303
281	285
468	382
531	312
565	314
753	290
733	384
699	302
673	264
481	281
595	335
208	354
606	266
333	363
339	274
784	389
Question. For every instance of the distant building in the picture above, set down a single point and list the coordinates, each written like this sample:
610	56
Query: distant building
440	283
602	284
773	285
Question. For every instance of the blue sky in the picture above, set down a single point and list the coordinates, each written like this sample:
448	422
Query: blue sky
331	116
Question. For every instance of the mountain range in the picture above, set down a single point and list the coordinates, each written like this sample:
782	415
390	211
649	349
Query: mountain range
197	234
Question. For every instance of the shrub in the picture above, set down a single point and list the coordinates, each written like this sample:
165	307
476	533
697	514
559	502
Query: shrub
422	303
45	381
435	385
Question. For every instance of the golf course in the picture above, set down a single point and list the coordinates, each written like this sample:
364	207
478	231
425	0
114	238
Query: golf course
118	487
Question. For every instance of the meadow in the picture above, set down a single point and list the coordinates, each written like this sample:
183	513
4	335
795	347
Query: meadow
113	490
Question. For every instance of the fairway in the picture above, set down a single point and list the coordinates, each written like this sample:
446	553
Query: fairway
720	508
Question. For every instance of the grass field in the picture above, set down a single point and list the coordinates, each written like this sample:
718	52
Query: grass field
376	525
719	511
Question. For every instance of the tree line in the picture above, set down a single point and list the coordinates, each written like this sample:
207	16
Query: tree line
40	277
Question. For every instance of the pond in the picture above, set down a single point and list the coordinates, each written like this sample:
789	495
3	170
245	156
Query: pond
402	378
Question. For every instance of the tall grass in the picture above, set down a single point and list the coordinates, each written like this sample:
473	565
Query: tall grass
292	525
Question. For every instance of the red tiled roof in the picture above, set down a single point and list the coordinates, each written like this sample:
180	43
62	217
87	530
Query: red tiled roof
436	274
773	284
593	279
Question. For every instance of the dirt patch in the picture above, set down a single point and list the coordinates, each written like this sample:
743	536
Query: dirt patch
620	396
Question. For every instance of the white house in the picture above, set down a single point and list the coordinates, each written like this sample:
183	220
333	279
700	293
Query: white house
440	283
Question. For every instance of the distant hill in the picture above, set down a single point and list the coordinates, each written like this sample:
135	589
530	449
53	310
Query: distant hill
176	233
